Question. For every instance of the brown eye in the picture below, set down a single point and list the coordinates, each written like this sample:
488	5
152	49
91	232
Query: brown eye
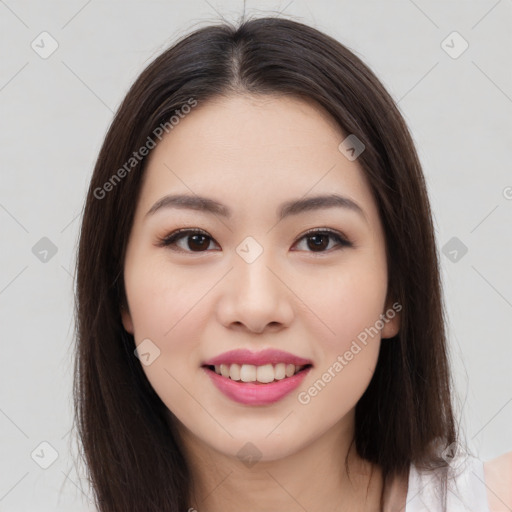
318	240
198	242
195	240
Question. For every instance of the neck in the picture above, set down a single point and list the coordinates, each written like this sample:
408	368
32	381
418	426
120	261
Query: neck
310	478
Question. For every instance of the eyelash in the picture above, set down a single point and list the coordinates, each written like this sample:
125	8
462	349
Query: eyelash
171	239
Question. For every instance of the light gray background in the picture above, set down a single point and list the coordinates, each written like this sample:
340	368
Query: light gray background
54	115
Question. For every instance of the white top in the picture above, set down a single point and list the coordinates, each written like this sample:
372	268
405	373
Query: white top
466	492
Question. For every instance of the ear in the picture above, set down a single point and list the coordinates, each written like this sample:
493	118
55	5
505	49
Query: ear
126	319
391	317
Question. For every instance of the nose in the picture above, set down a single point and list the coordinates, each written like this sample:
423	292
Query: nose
255	297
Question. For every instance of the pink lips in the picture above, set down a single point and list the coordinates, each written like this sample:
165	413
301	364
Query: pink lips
268	356
256	394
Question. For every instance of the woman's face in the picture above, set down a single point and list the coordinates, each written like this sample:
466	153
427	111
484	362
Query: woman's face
253	279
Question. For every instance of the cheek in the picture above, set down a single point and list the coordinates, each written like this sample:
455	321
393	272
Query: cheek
163	302
346	304
167	309
351	307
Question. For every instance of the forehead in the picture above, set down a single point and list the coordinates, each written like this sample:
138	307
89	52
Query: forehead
266	125
247	149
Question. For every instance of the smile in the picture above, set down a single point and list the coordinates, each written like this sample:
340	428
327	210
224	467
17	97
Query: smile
256	378
253	391
262	374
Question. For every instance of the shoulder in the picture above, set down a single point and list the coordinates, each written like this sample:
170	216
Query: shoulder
498	482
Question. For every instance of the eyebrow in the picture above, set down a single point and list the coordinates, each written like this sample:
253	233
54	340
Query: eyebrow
293	207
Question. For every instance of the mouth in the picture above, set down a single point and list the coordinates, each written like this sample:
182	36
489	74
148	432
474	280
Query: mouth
256	378
252	374
253	385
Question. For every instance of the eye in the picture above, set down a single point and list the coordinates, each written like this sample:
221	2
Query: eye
199	240
318	239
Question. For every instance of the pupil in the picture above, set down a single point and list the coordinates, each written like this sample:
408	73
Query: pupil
200	245
320	245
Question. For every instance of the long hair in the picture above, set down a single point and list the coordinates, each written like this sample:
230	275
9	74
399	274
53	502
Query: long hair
134	457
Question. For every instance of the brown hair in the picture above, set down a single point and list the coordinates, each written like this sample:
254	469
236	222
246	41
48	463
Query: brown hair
134	457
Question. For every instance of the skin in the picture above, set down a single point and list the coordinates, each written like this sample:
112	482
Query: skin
498	481
252	154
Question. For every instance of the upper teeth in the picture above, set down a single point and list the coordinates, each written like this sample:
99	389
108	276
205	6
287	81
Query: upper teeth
250	373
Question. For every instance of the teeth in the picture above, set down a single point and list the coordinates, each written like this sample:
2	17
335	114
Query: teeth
250	373
247	373
280	371
265	373
233	371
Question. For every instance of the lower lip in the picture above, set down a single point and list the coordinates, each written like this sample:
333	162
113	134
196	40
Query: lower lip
256	394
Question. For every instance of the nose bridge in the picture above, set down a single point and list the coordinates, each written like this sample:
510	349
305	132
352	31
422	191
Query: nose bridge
253	277
254	295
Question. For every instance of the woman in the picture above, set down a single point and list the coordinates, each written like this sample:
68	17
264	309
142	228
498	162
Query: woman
259	308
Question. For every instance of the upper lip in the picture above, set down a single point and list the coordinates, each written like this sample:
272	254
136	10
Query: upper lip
268	356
